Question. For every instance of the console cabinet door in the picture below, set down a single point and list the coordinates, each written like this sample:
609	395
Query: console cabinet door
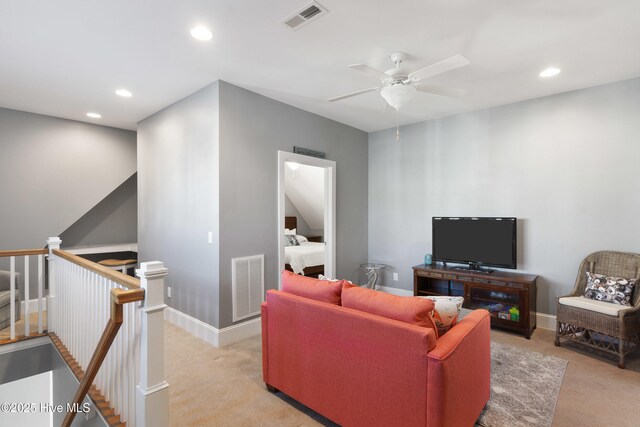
506	305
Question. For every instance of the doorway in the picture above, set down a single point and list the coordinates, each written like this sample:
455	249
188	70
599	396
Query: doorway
287	162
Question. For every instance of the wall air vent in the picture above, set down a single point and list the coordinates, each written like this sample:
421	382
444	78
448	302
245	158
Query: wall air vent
302	17
247	284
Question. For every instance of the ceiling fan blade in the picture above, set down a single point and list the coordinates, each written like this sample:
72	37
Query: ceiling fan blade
442	90
349	95
369	71
448	64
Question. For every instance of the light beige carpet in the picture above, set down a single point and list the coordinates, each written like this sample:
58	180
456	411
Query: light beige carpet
223	387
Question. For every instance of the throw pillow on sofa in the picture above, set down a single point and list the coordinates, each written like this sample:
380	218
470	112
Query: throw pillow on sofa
446	312
323	277
308	287
416	311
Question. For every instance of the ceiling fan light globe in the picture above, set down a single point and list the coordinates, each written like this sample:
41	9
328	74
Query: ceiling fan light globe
397	95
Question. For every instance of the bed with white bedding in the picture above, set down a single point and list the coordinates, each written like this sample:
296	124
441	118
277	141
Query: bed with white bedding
308	254
306	258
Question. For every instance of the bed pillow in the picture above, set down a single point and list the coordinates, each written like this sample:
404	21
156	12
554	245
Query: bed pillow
416	311
308	287
446	312
301	238
290	240
288	232
615	290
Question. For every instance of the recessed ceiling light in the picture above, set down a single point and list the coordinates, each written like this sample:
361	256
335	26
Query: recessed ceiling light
94	115
124	93
201	33
550	72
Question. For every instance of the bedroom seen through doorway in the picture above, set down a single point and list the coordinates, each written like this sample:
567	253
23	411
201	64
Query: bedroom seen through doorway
306	214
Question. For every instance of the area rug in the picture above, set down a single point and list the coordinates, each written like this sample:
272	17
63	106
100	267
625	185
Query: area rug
524	388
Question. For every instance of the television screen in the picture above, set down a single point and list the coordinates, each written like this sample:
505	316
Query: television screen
477	241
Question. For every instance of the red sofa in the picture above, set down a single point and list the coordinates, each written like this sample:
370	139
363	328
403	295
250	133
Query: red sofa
362	369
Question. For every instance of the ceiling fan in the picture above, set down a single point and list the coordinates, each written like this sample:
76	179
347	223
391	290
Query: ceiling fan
398	85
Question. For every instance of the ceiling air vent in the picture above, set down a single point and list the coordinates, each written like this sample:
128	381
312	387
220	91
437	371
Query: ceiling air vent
305	15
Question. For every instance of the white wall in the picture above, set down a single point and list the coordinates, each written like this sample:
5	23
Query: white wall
304	187
291	210
35	393
568	166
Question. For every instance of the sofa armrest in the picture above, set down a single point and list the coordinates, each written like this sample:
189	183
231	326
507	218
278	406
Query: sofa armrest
459	371
4	280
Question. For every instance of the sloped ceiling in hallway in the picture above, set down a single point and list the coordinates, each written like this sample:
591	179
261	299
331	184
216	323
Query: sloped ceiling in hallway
55	172
305	189
114	220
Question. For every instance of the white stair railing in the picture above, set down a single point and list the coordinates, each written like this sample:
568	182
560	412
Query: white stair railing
14	310
79	308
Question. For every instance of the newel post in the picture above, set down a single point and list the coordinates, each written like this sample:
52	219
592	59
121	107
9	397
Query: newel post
152	397
52	243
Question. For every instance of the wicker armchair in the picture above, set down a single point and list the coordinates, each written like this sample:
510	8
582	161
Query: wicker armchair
616	333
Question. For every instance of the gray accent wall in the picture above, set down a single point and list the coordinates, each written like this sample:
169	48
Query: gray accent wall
209	163
53	171
252	130
178	199
114	220
566	165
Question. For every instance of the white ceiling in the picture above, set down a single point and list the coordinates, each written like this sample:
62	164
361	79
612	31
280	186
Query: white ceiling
64	58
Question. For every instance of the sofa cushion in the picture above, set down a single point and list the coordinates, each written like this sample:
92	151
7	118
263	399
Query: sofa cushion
308	287
593	305
5	297
416	311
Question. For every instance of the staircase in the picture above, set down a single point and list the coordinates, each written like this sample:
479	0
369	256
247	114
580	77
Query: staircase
107	326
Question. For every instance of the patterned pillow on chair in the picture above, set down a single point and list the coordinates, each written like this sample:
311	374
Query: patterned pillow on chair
615	290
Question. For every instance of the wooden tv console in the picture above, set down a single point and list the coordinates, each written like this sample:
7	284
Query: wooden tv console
509	297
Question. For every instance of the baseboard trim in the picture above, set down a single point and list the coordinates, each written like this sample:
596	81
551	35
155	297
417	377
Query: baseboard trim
543	320
33	305
546	321
214	336
395	291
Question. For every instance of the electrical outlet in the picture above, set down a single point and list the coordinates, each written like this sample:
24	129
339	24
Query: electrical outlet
395	277
210	237
168	291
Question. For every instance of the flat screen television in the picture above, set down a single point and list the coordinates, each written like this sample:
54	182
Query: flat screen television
475	241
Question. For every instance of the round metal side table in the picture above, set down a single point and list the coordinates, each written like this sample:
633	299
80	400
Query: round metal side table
372	274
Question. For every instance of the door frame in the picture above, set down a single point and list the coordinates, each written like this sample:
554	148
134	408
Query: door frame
329	167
